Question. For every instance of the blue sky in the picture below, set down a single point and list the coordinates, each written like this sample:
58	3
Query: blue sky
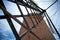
5	30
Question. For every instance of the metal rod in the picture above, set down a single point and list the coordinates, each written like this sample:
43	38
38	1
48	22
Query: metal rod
53	25
49	23
3	16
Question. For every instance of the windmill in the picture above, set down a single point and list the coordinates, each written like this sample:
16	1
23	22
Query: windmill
32	6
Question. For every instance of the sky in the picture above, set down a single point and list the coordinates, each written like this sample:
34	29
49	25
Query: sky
53	12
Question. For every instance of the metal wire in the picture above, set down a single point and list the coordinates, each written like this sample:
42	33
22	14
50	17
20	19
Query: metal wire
51	4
